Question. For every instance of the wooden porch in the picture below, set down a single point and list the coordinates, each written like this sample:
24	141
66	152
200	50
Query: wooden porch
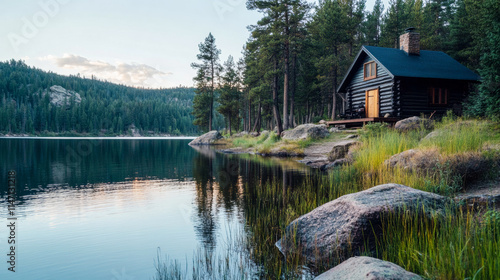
363	121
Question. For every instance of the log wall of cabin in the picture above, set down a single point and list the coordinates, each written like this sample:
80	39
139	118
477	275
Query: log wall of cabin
356	90
415	96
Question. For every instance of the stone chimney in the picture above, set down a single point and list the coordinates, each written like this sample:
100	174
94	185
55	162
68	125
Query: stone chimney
410	42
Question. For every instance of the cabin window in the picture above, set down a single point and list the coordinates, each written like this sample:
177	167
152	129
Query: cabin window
438	96
370	70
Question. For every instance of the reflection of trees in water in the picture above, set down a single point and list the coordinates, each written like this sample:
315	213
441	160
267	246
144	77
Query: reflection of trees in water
204	179
223	180
73	163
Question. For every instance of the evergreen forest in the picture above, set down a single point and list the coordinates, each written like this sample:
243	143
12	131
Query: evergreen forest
298	53
105	108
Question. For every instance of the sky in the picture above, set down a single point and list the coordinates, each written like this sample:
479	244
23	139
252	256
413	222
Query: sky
148	43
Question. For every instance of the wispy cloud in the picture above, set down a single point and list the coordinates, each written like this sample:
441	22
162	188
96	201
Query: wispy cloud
130	74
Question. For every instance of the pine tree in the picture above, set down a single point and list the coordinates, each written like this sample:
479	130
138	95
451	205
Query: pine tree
373	24
395	22
207	76
490	60
330	29
229	98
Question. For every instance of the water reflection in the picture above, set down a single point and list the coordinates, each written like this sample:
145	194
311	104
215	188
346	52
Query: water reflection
222	180
41	164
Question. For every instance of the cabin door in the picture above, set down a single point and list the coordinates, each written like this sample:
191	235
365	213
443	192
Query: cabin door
372	103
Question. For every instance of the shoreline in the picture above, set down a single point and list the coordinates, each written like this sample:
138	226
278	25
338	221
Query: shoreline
102	137
314	155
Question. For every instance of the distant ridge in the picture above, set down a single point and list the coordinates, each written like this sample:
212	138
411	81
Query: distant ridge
98	107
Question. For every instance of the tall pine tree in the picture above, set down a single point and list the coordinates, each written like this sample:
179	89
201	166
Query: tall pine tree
206	79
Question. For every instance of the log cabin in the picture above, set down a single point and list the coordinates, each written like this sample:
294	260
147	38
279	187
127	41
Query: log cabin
405	82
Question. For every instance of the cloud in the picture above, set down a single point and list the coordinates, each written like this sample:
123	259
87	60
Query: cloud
129	74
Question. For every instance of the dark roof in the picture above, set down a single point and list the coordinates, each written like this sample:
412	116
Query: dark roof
429	64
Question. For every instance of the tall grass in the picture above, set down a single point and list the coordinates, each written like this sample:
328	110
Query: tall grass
464	245
459	136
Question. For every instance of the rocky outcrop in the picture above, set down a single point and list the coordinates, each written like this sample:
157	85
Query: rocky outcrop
413	123
305	131
341	149
347	224
366	268
59	96
208	138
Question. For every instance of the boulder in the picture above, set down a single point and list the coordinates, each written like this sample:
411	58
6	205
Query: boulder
433	134
349	224
413	123
470	166
59	96
208	138
265	134
240	134
305	131
334	130
341	149
254	134
322	122
416	160
337	163
366	268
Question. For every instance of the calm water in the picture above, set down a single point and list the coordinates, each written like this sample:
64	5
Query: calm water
101	208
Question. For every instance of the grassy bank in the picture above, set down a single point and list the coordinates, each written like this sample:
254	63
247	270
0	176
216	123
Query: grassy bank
267	143
465	245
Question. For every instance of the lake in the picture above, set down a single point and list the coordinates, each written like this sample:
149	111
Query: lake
117	208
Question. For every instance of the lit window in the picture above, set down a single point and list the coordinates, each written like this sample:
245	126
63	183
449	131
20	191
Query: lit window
438	96
370	70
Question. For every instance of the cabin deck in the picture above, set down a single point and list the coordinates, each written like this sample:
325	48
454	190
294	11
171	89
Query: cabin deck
363	121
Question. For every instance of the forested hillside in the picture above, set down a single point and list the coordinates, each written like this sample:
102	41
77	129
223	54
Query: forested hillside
104	109
298	53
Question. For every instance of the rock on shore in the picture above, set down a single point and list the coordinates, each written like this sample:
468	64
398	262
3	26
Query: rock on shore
305	131
208	138
366	268
341	149
344	225
413	123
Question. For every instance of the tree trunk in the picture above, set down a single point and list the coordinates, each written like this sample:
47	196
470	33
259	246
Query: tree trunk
286	54
335	70
211	97
276	109
229	120
292	90
256	127
249	115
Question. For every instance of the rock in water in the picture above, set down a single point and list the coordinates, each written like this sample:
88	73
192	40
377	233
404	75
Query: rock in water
413	123
208	138
366	268
305	131
345	225
59	96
